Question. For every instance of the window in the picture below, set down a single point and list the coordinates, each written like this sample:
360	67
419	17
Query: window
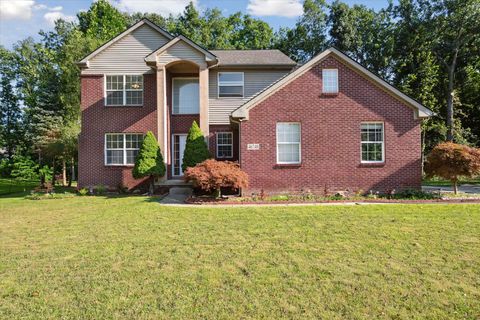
224	145
330	81
372	142
122	148
186	96
230	84
124	90
288	143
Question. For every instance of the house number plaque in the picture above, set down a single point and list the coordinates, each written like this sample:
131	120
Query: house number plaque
253	146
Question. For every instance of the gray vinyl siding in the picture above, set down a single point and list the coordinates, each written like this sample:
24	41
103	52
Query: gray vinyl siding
181	51
127	54
254	81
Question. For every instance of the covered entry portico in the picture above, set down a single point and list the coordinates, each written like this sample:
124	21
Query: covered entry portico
182	78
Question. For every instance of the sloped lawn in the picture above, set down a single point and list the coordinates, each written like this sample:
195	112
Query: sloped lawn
129	258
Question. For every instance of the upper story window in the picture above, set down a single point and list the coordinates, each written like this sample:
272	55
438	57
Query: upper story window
224	144
372	135
288	143
186	96
124	90
330	80
122	148
230	84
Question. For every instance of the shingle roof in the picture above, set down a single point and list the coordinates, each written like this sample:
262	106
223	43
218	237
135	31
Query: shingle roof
252	58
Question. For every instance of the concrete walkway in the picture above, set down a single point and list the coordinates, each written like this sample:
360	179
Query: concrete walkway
177	195
465	188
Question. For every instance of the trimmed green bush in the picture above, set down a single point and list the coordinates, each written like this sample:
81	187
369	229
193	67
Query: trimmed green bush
196	149
149	162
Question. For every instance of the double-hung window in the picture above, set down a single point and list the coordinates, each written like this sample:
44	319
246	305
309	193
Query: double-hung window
224	145
230	84
124	90
373	149
330	80
122	148
186	96
288	143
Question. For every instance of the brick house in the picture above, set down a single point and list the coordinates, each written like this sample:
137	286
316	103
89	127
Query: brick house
328	123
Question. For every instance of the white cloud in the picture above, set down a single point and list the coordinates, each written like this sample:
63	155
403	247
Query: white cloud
163	7
57	8
18	9
53	16
281	8
40	6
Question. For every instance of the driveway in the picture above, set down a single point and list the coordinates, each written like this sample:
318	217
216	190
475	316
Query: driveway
466	188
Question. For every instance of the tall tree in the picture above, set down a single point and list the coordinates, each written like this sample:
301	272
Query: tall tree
309	36
101	21
10	112
455	26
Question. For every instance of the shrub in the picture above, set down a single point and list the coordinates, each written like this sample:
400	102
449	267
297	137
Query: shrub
451	161
414	194
100	189
149	162
83	192
196	149
211	175
24	168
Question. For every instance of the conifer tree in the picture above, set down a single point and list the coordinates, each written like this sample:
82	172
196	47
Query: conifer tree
196	149
149	162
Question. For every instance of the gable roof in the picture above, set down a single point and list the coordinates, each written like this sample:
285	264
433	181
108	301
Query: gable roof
152	57
144	21
227	58
242	112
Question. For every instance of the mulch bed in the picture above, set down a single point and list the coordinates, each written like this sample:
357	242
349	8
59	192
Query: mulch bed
213	201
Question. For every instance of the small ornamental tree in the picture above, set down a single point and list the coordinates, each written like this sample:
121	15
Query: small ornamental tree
450	161
149	162
196	149
211	175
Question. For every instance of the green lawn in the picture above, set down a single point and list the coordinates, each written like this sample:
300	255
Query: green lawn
130	258
9	186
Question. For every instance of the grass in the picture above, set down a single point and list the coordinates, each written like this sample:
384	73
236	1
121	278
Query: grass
10	186
129	258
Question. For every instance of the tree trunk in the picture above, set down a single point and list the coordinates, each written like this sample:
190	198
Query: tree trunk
451	86
53	172
64	172
152	185
450	105
72	172
455	186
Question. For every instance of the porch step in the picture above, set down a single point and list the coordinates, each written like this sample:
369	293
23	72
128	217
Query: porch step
173	183
186	190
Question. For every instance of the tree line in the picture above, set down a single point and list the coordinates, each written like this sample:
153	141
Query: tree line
428	49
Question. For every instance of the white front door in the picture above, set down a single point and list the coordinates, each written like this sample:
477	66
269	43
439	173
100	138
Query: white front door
178	147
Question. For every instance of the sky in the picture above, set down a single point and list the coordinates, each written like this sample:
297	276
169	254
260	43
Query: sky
23	18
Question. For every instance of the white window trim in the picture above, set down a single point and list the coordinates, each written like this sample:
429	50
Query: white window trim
382	142
231	84
124	149
173	96
224	144
299	143
323	82
124	90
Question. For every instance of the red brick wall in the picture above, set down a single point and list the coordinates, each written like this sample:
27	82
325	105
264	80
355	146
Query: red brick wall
97	119
330	138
